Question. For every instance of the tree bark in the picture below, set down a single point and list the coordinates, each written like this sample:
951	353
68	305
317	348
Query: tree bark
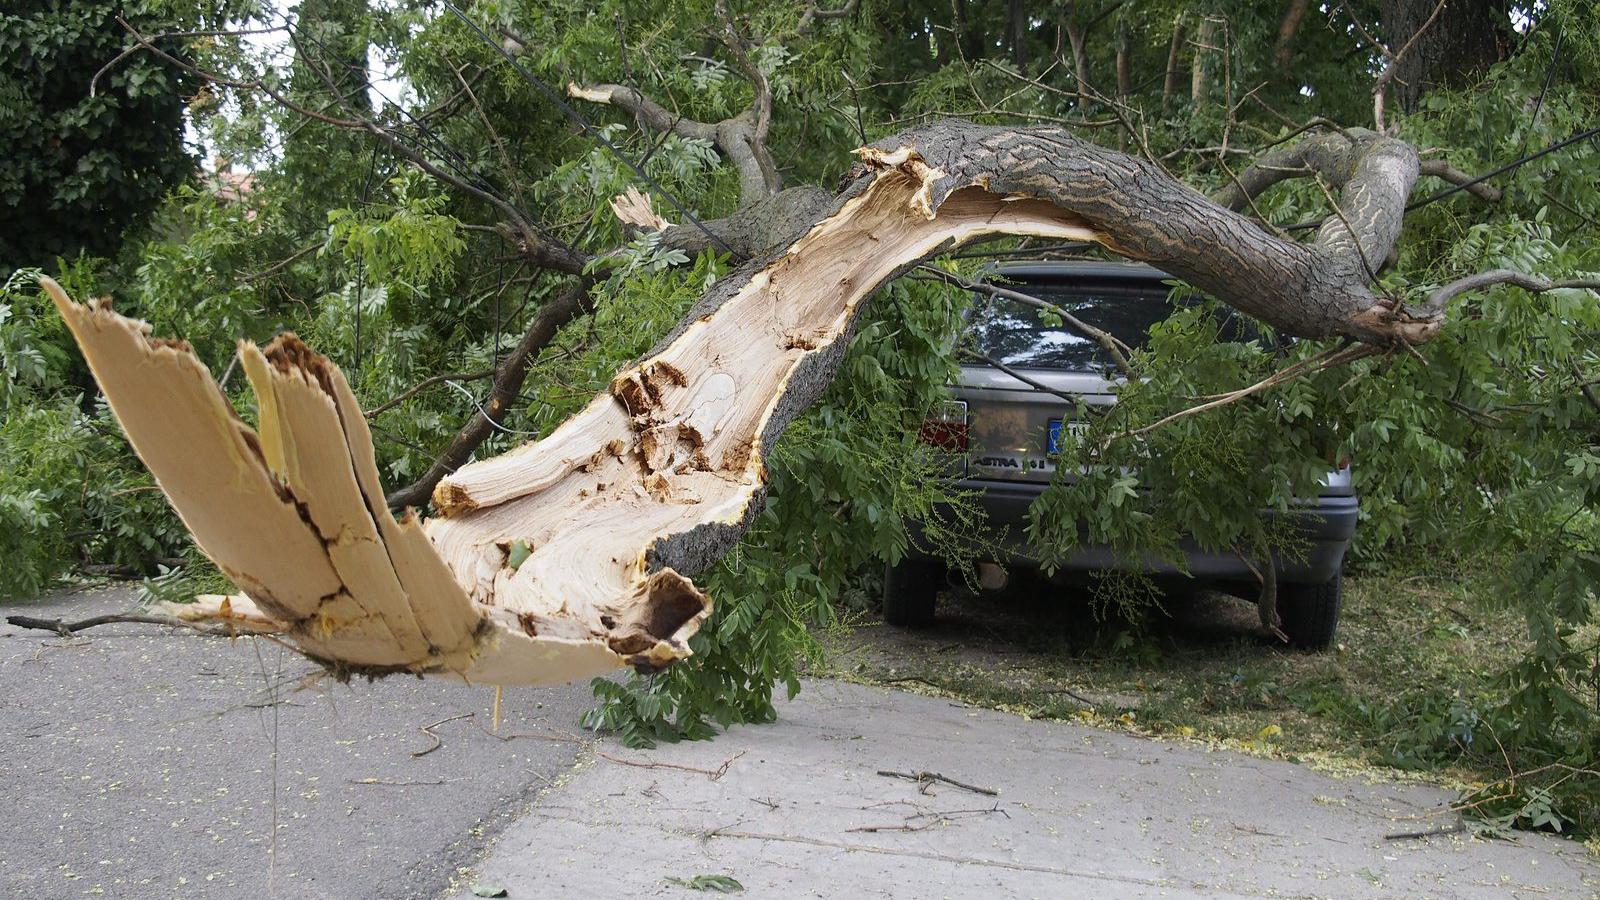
1200	75
573	555
1169	86
1468	37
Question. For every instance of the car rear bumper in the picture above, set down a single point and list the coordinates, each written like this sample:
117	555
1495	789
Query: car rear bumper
1319	530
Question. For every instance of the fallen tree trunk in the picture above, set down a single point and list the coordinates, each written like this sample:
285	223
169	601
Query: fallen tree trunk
572	555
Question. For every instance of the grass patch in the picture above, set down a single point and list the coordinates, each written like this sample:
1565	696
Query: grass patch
1414	666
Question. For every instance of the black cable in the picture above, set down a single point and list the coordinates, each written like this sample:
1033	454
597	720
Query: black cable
592	132
1549	76
1517	163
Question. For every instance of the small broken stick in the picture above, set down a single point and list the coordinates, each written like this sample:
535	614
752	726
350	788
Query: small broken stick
927	780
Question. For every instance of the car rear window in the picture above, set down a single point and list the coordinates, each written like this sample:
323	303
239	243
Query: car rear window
1023	336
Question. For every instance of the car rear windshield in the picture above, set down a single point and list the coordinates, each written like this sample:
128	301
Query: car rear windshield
1023	336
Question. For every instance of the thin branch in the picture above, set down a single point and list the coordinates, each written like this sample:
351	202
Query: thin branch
1020	376
1439	168
284	263
67	629
1387	75
494	136
814	13
1441	296
1362	29
927	779
94	83
423	385
255	85
1115	348
1327	359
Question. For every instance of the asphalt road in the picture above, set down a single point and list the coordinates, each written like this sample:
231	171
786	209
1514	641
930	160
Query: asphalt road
138	762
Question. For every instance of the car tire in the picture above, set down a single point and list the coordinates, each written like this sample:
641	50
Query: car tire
1309	613
909	591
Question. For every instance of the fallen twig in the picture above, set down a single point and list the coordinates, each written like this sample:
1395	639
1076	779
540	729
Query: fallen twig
67	629
928	779
1072	694
929	820
437	740
713	774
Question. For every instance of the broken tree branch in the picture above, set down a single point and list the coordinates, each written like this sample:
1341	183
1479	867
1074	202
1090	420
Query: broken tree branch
712	774
67	629
573	556
1439	168
927	778
1534	284
566	306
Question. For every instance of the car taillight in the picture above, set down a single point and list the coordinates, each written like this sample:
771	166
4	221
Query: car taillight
946	426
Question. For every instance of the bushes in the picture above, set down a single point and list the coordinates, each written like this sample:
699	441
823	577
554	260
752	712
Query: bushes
71	490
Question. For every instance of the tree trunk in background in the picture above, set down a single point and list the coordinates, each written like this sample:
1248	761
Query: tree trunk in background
1169	87
331	55
1124	69
1288	26
1200	74
1468	37
1017	33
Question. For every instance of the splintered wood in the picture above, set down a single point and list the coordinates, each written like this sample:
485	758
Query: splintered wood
565	558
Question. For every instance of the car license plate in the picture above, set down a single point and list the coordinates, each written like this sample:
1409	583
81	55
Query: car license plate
1076	429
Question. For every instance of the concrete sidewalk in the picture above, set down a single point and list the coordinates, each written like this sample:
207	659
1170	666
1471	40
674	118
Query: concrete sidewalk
787	810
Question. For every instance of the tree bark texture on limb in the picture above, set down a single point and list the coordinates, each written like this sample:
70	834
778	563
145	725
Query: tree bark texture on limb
573	555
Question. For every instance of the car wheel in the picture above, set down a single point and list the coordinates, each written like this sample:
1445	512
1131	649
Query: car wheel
909	591
1310	612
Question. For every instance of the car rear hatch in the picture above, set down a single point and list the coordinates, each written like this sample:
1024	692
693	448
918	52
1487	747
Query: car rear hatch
1014	422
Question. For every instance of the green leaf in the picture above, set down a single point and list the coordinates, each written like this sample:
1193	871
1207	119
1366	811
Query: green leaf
719	884
518	554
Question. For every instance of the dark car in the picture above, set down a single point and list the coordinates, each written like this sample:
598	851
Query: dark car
1009	431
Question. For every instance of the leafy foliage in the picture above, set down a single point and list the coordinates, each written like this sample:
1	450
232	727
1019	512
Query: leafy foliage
81	170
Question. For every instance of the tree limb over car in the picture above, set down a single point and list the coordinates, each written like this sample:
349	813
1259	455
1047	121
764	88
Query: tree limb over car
573	555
